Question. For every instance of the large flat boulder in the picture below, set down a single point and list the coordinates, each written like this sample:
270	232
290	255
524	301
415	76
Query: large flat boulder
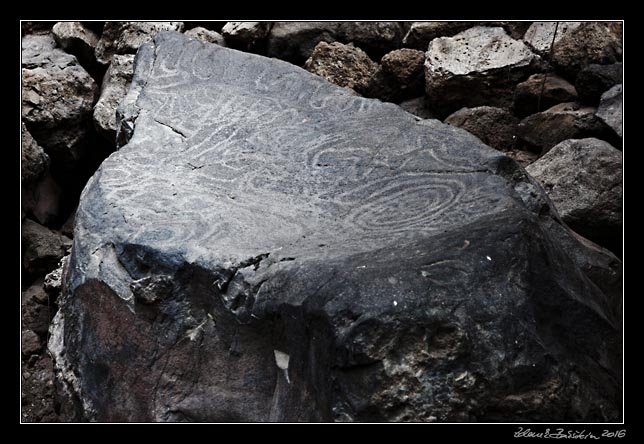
269	247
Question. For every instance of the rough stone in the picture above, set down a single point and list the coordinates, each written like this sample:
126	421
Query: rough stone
115	85
539	35
206	35
34	161
35	27
76	39
42	248
30	343
529	99
417	107
57	99
584	180
38	403
400	76
589	43
34	309
611	108
273	248
127	37
295	41
495	127
53	281
594	80
479	66
540	132
421	33
42	200
248	34
343	65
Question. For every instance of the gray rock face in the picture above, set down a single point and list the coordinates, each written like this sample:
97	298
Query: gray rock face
42	248
610	109
540	132
127	37
495	127
400	76
57	99
479	66
295	41
76	39
584	180
344	65
594	80
115	85
533	96
206	35
421	33
268	246
540	34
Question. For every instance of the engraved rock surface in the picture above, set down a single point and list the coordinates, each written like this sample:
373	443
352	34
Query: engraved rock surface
268	246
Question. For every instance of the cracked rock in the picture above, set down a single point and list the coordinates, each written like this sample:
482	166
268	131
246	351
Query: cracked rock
403	270
115	85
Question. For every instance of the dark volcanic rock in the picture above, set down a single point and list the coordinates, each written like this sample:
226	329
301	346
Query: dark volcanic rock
589	43
417	107
42	248
127	37
34	163
533	95
594	80
611	108
57	99
540	132
584	180
269	247
344	65
295	41
479	66
35	310
115	85
495	127
400	76
76	39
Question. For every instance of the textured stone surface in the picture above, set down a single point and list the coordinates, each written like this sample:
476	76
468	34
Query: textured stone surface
42	248
479	66
533	95
33	160
344	65
540	132
34	310
30	343
268	246
115	85
421	33
127	37
57	99
76	39
295	41
495	127
594	80
590	42
206	35
540	34
417	107
246	33
611	108
584	180
400	76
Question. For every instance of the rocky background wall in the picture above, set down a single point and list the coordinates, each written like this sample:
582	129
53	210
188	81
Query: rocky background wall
550	100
